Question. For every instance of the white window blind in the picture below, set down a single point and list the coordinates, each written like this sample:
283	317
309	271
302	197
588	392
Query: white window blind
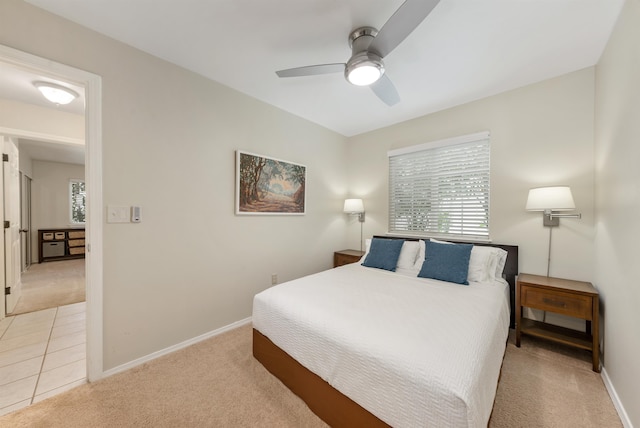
441	188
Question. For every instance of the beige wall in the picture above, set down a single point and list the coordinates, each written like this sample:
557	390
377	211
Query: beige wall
169	136
541	134
192	266
618	205
50	197
41	122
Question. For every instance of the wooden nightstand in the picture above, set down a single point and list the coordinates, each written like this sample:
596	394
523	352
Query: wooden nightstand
345	257
562	296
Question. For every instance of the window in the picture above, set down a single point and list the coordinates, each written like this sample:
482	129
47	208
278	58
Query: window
77	201
441	188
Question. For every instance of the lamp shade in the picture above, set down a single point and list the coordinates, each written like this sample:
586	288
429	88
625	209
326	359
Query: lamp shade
555	198
353	206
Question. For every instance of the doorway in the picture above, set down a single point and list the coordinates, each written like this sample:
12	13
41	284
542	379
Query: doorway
93	172
57	276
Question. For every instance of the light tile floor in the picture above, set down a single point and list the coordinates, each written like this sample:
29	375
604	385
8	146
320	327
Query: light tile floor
42	354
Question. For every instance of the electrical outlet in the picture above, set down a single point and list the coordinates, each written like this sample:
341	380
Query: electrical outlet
274	278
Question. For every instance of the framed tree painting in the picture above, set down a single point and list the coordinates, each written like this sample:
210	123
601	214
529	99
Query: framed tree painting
266	185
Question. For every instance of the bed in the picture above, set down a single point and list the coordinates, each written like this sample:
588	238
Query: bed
395	345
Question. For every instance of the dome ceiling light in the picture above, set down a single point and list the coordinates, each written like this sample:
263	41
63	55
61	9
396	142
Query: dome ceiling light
55	93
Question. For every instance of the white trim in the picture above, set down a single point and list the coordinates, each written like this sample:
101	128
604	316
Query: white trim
95	213
93	167
624	417
176	347
441	143
49	138
461	238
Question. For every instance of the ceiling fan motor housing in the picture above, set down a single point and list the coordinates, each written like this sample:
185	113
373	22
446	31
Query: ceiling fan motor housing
361	38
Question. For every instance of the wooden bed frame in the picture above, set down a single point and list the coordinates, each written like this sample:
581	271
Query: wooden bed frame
333	407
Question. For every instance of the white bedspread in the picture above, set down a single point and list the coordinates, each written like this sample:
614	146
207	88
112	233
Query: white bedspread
414	352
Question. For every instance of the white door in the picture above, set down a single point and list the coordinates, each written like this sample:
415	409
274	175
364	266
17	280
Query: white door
13	285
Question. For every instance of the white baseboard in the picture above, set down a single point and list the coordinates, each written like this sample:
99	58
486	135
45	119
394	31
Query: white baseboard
626	422
174	348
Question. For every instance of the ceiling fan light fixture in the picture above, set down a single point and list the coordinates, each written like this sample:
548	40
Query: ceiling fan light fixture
55	93
364	75
364	69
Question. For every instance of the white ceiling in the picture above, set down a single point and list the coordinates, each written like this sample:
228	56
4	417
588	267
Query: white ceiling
464	50
16	84
52	152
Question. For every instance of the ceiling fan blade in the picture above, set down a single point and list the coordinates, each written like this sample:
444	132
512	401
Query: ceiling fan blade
385	90
312	70
401	24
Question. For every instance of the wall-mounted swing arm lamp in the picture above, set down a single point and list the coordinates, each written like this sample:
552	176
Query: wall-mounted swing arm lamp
354	206
551	200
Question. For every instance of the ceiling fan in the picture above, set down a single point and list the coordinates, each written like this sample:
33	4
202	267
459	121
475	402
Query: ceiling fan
369	46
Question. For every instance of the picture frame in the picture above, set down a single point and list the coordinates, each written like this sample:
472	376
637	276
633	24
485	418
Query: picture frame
269	186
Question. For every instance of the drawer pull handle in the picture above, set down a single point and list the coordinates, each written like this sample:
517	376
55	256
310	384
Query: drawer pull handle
553	302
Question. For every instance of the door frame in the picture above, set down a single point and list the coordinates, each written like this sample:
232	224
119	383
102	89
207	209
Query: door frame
25	221
93	176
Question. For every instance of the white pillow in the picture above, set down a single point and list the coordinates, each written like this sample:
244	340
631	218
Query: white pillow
367	246
497	258
481	264
420	257
408	255
500	257
439	241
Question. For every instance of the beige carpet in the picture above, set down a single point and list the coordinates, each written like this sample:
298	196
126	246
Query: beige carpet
217	383
51	284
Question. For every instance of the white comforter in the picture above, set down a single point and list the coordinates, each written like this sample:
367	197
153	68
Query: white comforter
414	352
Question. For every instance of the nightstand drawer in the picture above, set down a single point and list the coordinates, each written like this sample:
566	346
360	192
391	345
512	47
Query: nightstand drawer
345	257
342	259
573	305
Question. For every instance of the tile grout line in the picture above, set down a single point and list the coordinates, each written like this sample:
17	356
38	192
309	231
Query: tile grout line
13	317
44	357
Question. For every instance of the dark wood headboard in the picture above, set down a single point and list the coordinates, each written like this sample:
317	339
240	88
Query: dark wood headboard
510	271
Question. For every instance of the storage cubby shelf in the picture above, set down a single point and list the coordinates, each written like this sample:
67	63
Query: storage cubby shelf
60	244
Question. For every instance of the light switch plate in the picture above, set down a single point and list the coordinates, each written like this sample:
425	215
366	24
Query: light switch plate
118	214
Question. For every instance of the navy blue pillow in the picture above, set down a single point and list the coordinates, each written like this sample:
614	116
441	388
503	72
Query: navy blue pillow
446	262
384	253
